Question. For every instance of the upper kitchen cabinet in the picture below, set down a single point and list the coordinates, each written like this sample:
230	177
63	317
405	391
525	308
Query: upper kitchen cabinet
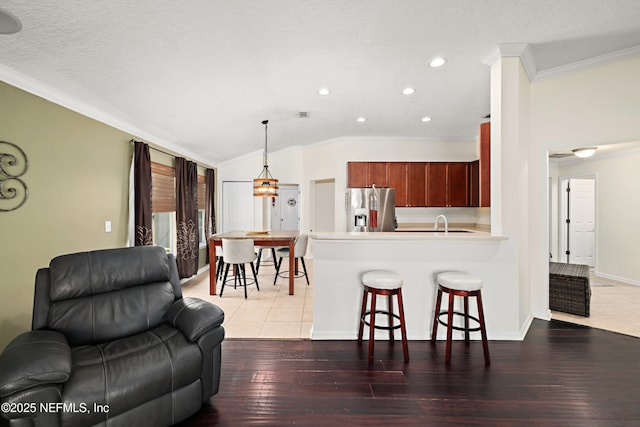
410	180
474	183
378	174
485	165
367	174
416	184
357	174
398	180
448	184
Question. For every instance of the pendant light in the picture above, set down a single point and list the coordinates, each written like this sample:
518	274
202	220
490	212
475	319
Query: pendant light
265	185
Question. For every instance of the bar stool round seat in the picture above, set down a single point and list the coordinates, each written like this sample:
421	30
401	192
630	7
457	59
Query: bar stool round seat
381	279
463	285
383	283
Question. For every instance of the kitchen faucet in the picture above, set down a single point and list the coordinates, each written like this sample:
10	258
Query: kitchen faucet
446	223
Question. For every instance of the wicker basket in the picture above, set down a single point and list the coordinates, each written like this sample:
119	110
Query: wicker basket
569	289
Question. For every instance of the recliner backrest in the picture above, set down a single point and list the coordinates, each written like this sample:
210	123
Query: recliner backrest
102	295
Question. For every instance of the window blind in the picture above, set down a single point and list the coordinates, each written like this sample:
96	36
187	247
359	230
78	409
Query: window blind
202	190
163	188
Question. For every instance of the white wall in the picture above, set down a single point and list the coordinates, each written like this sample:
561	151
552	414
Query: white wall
617	208
328	160
510	181
583	108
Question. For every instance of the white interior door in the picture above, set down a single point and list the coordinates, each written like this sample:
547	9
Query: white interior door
285	209
581	225
237	206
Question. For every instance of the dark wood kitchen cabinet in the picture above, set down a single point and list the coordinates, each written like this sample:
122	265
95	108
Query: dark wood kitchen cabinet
474	183
357	174
485	165
366	174
378	174
416	184
398	180
448	184
409	180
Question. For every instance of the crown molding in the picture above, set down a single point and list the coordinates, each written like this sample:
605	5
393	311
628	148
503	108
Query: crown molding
35	87
514	50
524	52
596	61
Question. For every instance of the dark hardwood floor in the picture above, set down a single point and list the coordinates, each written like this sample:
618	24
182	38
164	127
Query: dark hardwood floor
560	375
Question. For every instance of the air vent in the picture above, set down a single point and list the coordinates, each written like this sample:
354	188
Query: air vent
304	115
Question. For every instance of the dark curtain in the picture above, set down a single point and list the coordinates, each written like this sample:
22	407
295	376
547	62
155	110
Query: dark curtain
187	217
142	190
210	206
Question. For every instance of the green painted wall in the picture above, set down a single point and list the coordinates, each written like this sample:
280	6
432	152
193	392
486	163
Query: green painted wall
78	178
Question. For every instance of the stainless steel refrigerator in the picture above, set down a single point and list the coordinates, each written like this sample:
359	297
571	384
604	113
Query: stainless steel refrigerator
371	209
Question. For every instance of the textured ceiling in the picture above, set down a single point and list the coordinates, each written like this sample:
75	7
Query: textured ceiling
201	75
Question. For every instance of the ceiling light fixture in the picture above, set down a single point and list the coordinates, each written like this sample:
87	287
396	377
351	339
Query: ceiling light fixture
437	62
324	91
9	24
408	91
585	152
426	119
265	185
361	119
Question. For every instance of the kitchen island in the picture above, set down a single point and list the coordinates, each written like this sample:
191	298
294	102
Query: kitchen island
340	258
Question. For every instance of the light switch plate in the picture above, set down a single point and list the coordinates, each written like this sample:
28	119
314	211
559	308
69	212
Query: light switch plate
107	226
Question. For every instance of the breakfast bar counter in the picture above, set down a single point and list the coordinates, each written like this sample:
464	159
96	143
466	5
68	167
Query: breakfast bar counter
340	258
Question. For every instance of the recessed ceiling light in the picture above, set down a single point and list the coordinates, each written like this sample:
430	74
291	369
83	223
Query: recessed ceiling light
324	91
408	91
361	119
9	24
426	119
437	62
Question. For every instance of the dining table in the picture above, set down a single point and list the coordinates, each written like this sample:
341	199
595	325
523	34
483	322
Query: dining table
260	238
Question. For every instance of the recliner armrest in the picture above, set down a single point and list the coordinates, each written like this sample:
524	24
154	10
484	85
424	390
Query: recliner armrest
34	358
194	316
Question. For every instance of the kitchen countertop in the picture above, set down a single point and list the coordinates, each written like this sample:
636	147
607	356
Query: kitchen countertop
470	234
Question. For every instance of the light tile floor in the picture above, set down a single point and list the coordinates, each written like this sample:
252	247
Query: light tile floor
273	313
614	306
268	313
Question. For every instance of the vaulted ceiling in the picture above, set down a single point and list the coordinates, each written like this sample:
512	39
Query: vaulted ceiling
200	76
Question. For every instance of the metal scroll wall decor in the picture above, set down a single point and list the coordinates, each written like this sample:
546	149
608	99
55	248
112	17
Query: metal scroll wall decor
13	164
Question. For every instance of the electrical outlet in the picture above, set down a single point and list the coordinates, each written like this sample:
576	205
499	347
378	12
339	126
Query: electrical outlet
107	226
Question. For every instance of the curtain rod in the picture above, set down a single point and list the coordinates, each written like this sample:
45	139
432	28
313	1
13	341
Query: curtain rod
168	154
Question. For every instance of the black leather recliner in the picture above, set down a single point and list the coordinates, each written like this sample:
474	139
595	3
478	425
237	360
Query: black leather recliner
113	343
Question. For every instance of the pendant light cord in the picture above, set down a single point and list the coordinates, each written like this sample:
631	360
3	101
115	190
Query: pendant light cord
264	158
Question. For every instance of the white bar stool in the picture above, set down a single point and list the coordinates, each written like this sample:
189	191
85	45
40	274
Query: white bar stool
385	283
464	285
